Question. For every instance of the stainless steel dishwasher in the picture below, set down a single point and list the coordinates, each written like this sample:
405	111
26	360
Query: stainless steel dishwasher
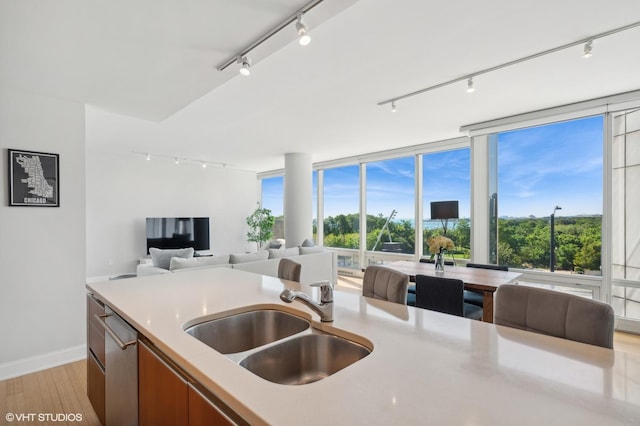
121	370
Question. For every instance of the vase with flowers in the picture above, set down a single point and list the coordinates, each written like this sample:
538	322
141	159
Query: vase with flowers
438	245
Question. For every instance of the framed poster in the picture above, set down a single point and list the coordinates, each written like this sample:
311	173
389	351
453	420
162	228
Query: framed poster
34	179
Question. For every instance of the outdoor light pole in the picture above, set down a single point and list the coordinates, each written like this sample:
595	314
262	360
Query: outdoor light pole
552	244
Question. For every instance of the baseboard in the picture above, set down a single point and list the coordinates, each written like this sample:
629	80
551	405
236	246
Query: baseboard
627	325
12	369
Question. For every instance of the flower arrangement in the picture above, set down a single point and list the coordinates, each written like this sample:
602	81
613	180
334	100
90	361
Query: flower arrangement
439	243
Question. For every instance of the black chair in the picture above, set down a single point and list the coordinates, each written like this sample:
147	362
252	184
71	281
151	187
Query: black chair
444	295
474	297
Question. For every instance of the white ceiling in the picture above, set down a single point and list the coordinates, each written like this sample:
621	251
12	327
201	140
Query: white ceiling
147	70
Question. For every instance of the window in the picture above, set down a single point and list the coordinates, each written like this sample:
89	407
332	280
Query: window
446	177
391	205
342	207
625	249
547	209
273	199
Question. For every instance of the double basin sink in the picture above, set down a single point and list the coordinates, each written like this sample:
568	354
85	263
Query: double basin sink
278	346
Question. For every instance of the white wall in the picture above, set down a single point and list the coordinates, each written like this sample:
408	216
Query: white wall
42	250
124	189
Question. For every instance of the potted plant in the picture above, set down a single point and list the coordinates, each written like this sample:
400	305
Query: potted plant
261	224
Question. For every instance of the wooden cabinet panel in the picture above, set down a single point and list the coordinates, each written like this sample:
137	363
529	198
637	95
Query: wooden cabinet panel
95	359
162	393
95	387
95	332
203	413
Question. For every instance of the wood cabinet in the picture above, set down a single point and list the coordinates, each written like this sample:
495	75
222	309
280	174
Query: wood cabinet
163	396
166	396
202	412
95	358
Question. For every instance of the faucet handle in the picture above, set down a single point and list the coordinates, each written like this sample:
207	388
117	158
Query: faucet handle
326	290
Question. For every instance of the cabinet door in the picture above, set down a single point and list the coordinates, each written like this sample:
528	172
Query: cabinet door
202	412
163	395
95	386
95	358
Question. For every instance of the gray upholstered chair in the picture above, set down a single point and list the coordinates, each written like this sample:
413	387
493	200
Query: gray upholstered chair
474	297
444	295
554	313
385	284
289	270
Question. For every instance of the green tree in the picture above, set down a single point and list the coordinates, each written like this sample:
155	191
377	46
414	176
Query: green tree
261	224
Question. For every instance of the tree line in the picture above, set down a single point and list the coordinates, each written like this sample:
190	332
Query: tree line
522	242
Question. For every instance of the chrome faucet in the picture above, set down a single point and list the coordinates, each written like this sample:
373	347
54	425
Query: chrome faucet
324	308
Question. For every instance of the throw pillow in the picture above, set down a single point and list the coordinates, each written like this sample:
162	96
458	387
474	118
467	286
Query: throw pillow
162	258
197	262
248	257
277	253
310	250
308	243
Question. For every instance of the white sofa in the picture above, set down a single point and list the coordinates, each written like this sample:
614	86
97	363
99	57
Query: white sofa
316	266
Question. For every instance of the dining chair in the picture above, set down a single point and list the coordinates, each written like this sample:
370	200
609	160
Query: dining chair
554	313
385	284
474	297
289	270
444	295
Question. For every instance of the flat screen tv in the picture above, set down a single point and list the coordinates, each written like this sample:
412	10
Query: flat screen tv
178	232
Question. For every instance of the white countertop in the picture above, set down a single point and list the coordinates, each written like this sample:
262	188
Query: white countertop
425	368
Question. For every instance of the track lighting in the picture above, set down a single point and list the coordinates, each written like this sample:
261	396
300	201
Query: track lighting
586	42
587	49
245	65
177	161
303	31
470	88
148	157
393	107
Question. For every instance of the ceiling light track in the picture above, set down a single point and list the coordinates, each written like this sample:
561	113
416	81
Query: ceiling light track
181	160
469	77
273	31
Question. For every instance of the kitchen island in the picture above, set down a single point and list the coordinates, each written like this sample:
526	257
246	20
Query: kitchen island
425	367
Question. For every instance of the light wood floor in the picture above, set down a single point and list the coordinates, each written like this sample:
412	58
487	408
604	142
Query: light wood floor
57	391
64	389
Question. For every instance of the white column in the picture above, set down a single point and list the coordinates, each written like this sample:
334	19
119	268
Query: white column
298	204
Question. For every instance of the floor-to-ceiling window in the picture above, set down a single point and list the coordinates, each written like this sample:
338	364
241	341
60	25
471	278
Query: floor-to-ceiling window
390	195
341	194
548	203
273	199
625	247
446	178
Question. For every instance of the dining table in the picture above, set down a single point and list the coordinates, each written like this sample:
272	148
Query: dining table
485	281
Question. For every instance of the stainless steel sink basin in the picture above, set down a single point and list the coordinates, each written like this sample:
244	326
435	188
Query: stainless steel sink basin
304	359
241	332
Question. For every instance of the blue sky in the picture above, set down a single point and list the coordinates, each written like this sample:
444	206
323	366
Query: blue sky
545	166
539	168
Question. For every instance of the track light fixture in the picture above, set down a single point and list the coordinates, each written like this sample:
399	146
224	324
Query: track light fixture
180	160
470	88
393	107
588	47
245	65
303	31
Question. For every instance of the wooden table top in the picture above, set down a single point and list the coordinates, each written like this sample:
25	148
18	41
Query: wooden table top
473	278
